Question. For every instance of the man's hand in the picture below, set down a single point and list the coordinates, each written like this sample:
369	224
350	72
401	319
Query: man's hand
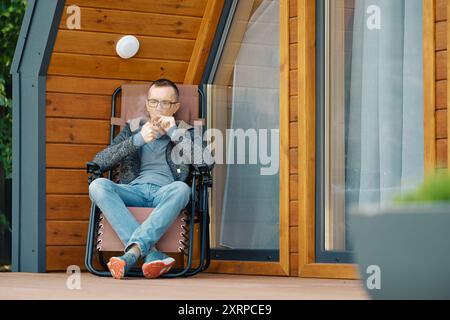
157	128
165	122
148	132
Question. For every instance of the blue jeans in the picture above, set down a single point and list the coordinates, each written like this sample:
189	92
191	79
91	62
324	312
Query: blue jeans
113	199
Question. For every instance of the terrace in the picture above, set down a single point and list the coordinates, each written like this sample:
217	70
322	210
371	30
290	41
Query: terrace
203	286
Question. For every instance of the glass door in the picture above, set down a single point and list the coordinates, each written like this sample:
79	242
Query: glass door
242	99
370	144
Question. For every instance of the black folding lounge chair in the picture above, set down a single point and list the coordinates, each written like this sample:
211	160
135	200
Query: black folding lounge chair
180	236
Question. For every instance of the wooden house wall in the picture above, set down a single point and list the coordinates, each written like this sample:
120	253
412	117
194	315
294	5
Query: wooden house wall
85	70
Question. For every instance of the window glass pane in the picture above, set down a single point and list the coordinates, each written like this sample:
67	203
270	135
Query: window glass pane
245	95
374	146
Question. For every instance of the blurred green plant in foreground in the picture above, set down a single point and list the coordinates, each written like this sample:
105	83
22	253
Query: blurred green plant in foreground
435	188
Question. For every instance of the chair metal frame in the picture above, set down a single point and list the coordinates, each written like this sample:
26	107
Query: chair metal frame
200	176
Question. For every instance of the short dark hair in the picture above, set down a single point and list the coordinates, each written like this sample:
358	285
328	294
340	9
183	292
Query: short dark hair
166	83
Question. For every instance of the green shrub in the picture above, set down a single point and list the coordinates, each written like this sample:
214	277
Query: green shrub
4	223
11	15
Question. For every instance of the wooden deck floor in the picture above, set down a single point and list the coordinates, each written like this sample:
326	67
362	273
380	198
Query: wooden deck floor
203	286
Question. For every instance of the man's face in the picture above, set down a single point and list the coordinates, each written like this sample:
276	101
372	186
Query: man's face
167	104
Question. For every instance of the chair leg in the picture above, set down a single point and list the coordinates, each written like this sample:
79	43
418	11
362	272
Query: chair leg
90	247
207	244
202	253
204	233
102	261
208	248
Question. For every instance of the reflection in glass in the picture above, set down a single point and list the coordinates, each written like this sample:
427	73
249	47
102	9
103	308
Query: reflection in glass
245	95
374	107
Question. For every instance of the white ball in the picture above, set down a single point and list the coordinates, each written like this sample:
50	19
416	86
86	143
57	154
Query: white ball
127	47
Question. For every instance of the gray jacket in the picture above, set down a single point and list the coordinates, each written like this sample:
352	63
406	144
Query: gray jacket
124	153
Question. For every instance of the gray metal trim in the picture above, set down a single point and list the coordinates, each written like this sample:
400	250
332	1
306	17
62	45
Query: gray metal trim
322	255
220	37
15	199
29	69
24	29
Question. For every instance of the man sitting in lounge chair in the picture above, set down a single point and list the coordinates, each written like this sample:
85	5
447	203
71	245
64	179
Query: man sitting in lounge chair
151	176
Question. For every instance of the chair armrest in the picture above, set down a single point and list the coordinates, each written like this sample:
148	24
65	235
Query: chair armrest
93	170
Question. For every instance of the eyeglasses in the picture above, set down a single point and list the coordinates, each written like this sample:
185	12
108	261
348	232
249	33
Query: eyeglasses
165	104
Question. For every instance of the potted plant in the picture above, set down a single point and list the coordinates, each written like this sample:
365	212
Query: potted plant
403	249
